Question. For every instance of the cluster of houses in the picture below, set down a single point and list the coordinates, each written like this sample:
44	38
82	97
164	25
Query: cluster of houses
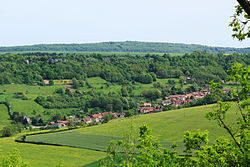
87	120
147	108
176	100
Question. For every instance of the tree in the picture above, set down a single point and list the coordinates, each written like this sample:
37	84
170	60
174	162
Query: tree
51	82
108	117
240	20
7	131
13	159
75	83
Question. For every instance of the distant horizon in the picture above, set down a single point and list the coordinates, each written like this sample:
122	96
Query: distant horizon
121	41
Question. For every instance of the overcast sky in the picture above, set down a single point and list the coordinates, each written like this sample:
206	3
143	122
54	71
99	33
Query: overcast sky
204	22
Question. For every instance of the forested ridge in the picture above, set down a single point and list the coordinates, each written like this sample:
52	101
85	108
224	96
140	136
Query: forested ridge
200	67
127	46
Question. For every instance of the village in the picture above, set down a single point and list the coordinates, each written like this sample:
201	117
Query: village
145	108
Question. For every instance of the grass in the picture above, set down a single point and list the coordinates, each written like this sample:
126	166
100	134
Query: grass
27	107
28	89
166	126
4	116
75	139
44	156
62	81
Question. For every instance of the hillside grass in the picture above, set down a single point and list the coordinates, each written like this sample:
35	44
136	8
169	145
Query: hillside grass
4	116
47	156
75	139
29	107
168	127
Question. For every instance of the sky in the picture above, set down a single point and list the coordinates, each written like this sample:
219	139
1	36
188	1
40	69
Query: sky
27	22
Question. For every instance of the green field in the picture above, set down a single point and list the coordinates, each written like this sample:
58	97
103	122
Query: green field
75	139
4	116
166	126
50	156
62	81
27	107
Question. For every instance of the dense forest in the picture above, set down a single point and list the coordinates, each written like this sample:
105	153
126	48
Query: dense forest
197	67
128	46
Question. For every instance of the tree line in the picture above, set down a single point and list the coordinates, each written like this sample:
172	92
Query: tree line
199	67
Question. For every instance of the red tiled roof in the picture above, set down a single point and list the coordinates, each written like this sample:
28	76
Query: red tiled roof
63	122
147	108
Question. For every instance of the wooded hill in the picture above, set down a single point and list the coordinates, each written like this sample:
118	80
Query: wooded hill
128	46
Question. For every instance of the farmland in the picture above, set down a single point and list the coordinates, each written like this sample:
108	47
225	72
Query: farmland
44	156
166	126
4	116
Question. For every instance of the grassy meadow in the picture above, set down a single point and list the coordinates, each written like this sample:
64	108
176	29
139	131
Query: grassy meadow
4	116
49	156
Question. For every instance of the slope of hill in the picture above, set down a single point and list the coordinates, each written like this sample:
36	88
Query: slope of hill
166	126
128	46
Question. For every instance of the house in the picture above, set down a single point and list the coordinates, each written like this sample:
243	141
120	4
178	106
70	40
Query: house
147	104
59	125
87	120
158	108
76	120
27	120
105	113
146	109
205	91
178	97
122	115
63	122
97	117
166	102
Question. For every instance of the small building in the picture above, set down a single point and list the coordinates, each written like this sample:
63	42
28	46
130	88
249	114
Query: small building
27	120
144	110
87	120
147	104
166	102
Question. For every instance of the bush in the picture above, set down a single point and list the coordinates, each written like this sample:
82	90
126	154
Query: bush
7	131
